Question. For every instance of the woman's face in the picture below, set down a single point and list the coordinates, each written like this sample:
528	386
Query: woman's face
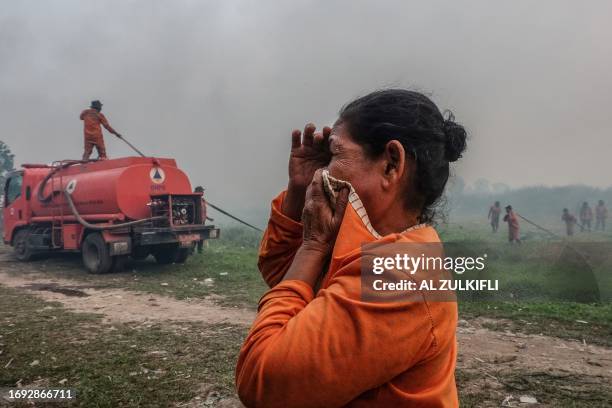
349	162
380	182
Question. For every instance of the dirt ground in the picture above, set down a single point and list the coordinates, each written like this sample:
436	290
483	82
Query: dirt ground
117	305
490	362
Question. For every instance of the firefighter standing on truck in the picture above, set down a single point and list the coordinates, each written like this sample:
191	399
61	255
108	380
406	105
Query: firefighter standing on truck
92	119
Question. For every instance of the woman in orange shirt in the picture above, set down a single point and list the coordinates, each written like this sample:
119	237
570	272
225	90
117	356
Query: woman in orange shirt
315	342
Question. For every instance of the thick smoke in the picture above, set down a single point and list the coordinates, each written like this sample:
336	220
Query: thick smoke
220	85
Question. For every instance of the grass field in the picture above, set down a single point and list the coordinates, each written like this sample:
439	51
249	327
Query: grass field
229	270
557	286
169	364
112	365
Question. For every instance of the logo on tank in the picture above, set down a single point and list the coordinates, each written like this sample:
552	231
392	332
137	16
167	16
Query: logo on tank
71	186
157	175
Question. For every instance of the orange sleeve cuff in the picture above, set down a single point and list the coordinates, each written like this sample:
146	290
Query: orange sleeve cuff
277	217
282	238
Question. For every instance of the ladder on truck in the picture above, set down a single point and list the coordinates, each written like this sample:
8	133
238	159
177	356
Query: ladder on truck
57	211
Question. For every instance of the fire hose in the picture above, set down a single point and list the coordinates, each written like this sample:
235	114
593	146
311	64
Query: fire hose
48	177
83	222
97	227
207	202
567	244
131	145
544	229
72	206
233	217
538	226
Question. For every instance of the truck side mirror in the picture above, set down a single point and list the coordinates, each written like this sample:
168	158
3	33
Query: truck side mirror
28	193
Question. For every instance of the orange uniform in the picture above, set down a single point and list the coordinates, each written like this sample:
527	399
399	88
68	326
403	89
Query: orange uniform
494	212
601	213
92	119
586	214
513	226
330	348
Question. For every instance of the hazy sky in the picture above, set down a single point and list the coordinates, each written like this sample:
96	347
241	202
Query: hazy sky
220	84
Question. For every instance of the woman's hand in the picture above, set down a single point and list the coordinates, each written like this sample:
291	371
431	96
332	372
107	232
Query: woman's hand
321	221
308	153
321	225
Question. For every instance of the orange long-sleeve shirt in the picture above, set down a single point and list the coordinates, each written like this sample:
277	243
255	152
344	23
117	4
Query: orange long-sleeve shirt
513	225
332	349
92	119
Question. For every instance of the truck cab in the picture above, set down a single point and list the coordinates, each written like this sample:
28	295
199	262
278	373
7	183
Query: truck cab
13	205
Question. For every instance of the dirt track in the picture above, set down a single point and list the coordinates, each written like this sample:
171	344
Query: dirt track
118	305
491	360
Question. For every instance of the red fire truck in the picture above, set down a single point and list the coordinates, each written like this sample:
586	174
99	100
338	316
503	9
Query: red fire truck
108	210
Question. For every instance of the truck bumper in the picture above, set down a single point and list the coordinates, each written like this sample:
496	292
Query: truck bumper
184	235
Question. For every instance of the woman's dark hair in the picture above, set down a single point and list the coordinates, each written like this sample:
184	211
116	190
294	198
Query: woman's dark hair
433	139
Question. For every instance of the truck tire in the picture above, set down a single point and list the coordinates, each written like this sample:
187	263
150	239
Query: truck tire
119	263
21	246
96	254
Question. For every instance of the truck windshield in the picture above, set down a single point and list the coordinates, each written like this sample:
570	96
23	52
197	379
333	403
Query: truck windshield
13	188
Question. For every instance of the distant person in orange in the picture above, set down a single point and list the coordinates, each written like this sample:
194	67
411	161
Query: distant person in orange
586	216
315	342
494	212
601	213
92	119
513	225
570	222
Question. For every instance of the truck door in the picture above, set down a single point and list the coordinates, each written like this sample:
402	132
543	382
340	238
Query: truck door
13	204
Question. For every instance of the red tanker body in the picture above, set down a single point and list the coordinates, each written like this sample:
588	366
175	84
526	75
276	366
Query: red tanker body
122	187
107	209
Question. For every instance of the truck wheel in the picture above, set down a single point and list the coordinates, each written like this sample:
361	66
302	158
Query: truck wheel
119	263
22	249
96	255
181	255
